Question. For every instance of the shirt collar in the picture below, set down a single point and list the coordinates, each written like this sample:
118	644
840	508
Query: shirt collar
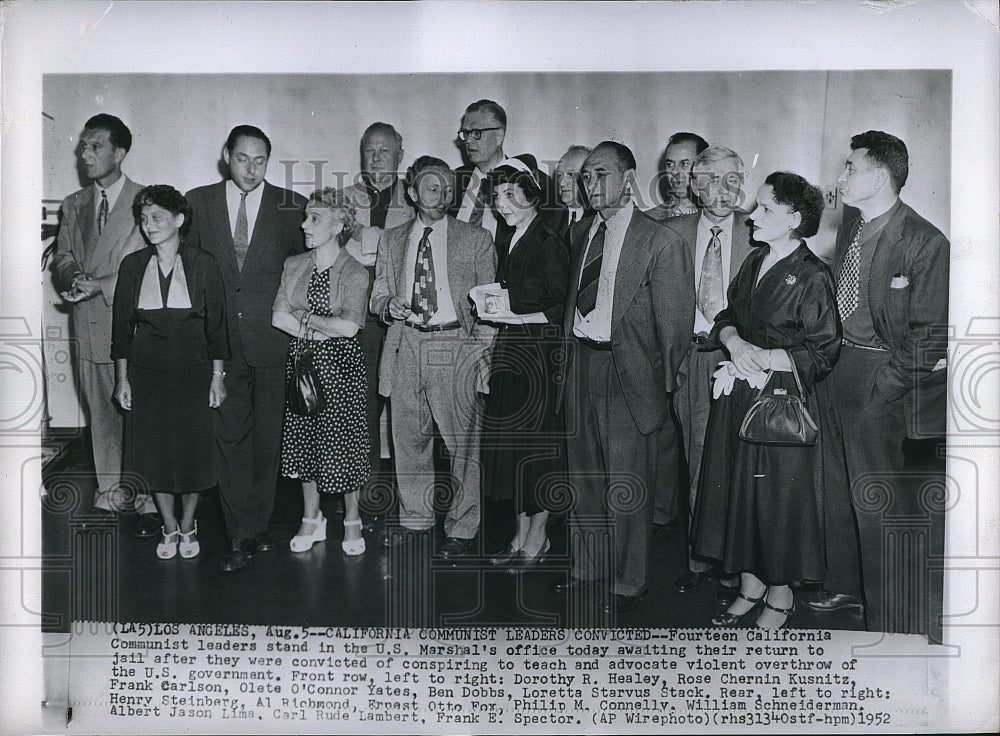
112	191
234	191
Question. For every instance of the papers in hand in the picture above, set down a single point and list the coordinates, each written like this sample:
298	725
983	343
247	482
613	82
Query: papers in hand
493	305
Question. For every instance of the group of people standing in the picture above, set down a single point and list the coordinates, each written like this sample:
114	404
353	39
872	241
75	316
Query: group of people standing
582	382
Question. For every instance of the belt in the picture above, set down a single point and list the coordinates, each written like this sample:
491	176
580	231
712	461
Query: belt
699	338
434	328
593	344
850	344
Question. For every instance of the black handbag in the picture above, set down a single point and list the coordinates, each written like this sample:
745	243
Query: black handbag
778	418
304	390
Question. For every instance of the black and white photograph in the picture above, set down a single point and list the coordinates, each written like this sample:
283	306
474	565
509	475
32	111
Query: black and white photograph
480	367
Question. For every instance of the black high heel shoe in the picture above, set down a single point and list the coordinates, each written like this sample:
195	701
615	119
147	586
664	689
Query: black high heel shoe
787	612
507	557
524	563
729	620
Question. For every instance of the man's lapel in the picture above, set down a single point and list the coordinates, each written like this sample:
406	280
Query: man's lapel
631	265
218	216
397	254
578	239
885	258
88	228
264	224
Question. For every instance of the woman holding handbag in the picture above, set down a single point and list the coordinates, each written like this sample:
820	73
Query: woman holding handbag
321	302
758	508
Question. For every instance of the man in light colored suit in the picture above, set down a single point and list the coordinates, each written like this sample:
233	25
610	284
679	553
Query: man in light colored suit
720	240
435	360
97	231
629	316
250	227
888	388
380	204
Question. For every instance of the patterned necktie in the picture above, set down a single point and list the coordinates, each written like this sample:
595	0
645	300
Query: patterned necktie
102	213
241	241
847	286
476	217
424	302
710	288
586	298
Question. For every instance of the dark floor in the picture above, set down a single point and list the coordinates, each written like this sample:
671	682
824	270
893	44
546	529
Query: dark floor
98	570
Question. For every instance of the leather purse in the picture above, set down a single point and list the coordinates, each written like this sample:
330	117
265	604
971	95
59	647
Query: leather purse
304	390
779	418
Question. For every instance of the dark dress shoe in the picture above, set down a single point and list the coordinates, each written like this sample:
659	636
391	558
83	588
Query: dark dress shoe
265	542
455	547
240	550
508	556
727	620
621	602
573	585
691	581
525	563
823	602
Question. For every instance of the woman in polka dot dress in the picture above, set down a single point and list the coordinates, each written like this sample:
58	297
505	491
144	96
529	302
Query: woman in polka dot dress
321	302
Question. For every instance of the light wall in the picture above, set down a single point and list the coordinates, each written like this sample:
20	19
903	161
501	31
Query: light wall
799	121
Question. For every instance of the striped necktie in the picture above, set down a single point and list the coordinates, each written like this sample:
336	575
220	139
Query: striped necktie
586	298
102	213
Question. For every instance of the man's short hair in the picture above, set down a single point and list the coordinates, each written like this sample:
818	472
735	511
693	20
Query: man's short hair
383	128
118	133
250	131
492	108
626	160
885	151
582	150
422	164
700	144
714	154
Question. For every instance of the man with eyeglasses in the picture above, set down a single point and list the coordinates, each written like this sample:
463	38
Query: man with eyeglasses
481	137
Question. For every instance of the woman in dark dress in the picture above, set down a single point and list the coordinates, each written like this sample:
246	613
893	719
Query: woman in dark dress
758	505
523	444
169	343
321	302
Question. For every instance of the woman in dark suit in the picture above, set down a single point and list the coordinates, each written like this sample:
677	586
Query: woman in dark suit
169	342
758	507
523	443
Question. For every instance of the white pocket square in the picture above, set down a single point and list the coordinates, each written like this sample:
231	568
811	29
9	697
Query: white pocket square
899	282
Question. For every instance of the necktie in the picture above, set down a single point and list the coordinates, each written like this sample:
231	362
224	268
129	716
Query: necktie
847	286
476	217
424	302
102	213
710	287
241	241
586	298
572	217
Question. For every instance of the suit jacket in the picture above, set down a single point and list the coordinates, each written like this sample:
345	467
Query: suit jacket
399	211
250	293
471	262
80	250
908	298
652	316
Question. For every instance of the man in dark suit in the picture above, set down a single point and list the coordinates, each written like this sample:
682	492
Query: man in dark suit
97	231
891	267
719	236
484	127
250	227
435	360
629	317
574	208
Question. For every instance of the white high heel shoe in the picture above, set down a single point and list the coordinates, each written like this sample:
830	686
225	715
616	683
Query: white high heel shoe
356	546
304	542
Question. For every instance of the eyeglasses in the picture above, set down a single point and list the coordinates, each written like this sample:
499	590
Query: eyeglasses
474	133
